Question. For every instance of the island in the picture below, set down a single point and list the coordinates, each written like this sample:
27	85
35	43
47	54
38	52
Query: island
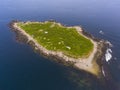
68	44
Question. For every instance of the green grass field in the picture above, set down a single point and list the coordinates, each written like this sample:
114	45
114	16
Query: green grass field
59	38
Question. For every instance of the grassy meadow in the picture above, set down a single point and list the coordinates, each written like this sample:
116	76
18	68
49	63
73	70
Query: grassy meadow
55	37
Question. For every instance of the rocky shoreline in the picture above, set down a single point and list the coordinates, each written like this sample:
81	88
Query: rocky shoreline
60	58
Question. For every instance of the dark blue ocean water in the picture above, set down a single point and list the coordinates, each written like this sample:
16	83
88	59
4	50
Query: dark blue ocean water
22	69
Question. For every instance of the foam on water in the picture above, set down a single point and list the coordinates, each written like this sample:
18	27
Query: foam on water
108	54
109	43
101	32
103	71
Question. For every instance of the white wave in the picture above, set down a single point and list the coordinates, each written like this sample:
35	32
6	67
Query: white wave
101	32
110	44
103	71
109	50
108	55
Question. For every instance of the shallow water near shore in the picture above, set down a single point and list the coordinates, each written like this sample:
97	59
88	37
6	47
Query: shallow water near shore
23	69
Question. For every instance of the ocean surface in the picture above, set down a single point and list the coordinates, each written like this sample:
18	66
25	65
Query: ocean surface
23	69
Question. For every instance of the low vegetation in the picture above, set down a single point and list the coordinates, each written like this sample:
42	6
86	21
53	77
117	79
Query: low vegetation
56	37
